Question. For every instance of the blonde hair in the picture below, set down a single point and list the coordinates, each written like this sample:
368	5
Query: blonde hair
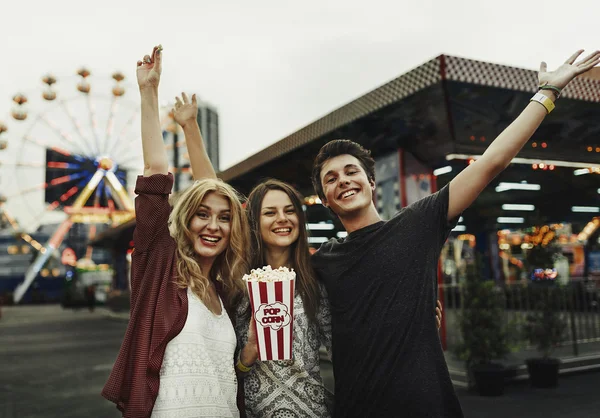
229	266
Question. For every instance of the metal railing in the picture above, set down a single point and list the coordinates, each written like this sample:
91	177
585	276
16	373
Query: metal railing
578	303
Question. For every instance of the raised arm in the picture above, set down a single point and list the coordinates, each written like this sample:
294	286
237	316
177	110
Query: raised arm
185	114
470	182
153	147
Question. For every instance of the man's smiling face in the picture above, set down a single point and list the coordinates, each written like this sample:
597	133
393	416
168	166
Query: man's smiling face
346	187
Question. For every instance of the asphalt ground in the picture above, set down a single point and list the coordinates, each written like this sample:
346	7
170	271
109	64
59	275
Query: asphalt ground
54	362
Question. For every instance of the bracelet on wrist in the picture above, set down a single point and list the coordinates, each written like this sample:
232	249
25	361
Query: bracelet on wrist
241	366
544	101
557	91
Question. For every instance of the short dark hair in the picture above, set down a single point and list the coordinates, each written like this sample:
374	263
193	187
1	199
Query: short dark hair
340	147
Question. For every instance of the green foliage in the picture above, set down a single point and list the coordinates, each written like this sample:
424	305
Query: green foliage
481	320
545	327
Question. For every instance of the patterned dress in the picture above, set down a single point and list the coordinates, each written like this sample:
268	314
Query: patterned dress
293	388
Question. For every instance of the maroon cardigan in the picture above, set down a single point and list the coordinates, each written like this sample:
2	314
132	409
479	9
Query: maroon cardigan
158	307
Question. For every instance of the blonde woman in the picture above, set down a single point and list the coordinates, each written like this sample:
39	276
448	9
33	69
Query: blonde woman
177	357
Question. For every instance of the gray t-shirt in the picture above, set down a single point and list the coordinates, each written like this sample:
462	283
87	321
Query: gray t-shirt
381	281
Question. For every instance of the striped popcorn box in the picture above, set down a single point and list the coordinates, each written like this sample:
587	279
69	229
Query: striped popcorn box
272	300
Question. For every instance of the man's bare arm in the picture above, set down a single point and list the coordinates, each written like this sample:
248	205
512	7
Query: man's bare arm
470	182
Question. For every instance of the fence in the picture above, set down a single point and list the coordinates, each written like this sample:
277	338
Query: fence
578	304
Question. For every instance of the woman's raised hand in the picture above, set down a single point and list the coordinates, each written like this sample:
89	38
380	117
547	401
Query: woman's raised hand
149	69
185	111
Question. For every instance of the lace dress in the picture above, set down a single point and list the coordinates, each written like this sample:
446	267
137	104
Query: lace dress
294	388
197	377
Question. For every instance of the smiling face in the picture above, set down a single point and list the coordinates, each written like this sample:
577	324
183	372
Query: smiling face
278	220
346	187
211	226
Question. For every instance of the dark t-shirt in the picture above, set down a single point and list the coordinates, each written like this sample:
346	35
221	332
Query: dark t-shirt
381	281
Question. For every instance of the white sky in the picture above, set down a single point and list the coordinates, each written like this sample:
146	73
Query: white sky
271	67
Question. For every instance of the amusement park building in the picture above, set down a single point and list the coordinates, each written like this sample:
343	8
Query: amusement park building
428	124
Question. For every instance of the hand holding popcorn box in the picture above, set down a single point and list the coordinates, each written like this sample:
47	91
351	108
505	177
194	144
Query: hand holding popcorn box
272	301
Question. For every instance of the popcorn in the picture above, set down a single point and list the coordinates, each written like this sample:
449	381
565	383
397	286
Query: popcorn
267	274
271	295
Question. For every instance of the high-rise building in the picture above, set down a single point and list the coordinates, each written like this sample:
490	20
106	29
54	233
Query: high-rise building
208	121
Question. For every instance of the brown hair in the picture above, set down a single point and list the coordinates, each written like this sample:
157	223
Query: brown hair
231	264
306	282
340	147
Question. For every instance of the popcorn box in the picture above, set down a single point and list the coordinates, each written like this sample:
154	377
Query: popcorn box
272	301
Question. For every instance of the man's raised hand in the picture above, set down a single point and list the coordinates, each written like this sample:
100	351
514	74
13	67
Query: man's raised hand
569	70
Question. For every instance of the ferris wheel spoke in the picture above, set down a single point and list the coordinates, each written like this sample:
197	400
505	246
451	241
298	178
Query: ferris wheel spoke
124	132
22	164
57	203
65	179
94	123
46	145
127	157
64	197
64	135
78	128
69	193
28	190
52	206
132	169
110	124
63	165
127	151
53	183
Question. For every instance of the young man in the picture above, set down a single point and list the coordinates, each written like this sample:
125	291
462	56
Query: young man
388	361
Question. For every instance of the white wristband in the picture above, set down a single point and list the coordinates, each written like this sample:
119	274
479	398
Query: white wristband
544	101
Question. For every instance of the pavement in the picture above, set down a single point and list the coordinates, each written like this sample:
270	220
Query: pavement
54	362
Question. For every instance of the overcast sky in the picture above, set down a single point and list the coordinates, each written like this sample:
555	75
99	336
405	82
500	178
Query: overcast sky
271	67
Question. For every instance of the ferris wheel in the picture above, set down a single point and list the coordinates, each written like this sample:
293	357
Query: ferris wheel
68	154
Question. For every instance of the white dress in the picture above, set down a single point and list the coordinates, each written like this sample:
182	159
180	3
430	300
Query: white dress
197	377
